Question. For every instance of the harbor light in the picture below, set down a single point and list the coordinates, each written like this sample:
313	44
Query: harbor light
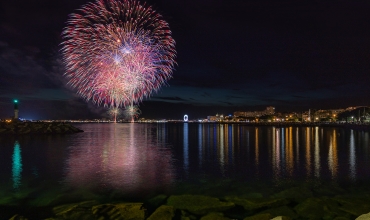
15	101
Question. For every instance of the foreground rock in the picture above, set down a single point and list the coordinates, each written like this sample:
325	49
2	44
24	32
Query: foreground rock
37	128
198	204
164	212
121	211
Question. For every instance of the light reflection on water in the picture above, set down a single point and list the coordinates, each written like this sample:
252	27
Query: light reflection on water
133	158
16	166
126	156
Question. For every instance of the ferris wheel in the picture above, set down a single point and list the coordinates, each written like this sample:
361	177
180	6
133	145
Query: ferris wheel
186	118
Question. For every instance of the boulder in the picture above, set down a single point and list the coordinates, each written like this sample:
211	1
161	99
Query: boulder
319	208
157	200
198	204
257	203
354	206
18	217
281	211
364	217
297	194
121	211
281	218
164	212
263	216
75	211
214	216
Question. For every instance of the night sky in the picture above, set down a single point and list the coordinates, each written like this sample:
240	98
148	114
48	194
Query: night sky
232	55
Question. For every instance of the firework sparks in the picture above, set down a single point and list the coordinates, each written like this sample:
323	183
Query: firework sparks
114	112
117	52
132	112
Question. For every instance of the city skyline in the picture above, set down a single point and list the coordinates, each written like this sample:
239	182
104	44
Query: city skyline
232	56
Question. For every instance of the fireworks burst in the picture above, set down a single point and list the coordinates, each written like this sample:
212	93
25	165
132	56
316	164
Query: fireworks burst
132	112
114	112
117	52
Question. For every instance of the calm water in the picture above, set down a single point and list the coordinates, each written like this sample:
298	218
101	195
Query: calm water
136	161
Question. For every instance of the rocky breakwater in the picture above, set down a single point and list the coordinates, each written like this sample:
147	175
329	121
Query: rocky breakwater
19	128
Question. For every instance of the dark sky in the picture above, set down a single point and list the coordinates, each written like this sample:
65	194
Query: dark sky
232	55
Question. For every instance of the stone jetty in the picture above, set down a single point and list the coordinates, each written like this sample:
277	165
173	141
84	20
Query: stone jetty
20	128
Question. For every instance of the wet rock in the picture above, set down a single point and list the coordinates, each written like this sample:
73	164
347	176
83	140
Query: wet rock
319	208
364	217
18	217
253	195
75	211
282	218
281	211
325	190
342	218
157	200
297	194
257	203
82	195
164	212
354	206
198	204
121	211
185	215
263	216
214	216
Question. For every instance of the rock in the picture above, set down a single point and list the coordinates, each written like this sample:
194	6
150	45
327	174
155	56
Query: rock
121	211
164	212
37	128
341	218
214	216
325	190
364	217
297	194
319	208
198	204
157	200
185	215
257	203
18	217
281	211
282	218
75	211
354	206
263	216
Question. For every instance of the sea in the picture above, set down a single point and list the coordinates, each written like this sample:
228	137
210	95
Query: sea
138	161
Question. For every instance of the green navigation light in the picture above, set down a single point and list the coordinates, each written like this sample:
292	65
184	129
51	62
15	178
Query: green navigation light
15	101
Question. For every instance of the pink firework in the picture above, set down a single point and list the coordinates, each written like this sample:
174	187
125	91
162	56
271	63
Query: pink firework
117	52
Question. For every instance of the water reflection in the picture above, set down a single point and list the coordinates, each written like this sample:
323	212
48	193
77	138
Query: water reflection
333	155
352	157
317	153
129	156
16	166
126	157
186	147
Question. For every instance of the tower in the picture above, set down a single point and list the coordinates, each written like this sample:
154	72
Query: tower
16	109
